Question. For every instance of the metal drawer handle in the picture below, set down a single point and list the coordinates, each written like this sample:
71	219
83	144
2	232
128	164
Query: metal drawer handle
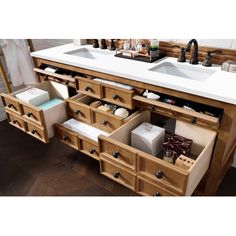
10	105
92	150
14	121
159	174
29	114
194	120
115	154
34	131
116	174
64	137
104	122
115	96
87	88
77	112
157	194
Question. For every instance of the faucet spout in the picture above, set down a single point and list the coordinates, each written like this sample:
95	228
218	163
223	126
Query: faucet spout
194	58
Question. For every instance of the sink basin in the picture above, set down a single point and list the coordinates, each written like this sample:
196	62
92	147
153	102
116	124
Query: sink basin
89	53
185	71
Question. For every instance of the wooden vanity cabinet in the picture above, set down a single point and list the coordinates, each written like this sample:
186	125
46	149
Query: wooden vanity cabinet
224	127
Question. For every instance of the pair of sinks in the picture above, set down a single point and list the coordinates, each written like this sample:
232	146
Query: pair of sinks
186	71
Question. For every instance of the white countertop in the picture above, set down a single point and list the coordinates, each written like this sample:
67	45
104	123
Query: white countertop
219	86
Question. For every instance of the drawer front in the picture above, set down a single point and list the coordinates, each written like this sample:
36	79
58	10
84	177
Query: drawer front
89	87
79	111
11	104
33	114
118	152
89	147
178	113
37	132
117	174
146	188
67	136
16	121
162	173
105	121
117	96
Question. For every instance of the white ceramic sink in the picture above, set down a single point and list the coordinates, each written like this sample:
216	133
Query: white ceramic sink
89	53
192	72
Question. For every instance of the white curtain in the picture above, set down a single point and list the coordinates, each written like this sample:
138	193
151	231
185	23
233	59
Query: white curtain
18	61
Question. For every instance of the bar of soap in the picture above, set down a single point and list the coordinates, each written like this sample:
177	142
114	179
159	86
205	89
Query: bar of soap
103	108
148	138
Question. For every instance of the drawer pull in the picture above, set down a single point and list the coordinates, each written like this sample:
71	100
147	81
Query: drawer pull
87	88
157	194
92	150
14	121
29	114
34	131
116	174
115	96
104	122
64	137
194	120
115	154
77	112
159	174
10	105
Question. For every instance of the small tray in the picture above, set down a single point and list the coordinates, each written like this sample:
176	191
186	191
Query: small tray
141	57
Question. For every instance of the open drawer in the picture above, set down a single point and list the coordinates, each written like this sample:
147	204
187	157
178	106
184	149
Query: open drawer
176	112
60	76
41	117
160	173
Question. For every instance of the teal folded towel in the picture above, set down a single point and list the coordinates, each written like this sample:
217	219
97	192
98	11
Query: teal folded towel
50	103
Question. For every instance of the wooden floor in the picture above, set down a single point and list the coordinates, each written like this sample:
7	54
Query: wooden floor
31	168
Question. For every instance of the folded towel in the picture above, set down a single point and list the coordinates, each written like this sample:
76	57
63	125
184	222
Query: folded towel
124	86
50	103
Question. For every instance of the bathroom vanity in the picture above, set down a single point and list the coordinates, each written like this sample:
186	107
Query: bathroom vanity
213	129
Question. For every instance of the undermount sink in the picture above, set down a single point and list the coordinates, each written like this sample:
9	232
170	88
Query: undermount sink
89	53
185	71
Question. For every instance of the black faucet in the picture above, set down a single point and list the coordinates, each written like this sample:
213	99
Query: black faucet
95	43
103	44
207	62
113	45
194	58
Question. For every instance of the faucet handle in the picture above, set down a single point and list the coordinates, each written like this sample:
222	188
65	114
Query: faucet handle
182	57
207	62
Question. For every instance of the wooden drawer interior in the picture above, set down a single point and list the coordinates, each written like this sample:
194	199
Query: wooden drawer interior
118	96
16	121
174	177
118	174
89	87
146	188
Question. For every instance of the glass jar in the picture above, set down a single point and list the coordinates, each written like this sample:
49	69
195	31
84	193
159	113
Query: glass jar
169	156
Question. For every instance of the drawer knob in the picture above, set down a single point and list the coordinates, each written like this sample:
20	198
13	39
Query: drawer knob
157	194
115	96
92	150
77	112
34	131
104	122
116	174
115	154
194	120
29	114
14	121
10	105
159	174
87	88
64	137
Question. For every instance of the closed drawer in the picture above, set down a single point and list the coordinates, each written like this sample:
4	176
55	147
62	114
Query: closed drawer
59	77
11	103
89	147
146	188
118	174
67	136
89	87
178	113
117	153
16	121
105	121
79	107
37	132
121	97
171	177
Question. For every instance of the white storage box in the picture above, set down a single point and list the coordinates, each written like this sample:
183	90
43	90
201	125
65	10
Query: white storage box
33	96
148	138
